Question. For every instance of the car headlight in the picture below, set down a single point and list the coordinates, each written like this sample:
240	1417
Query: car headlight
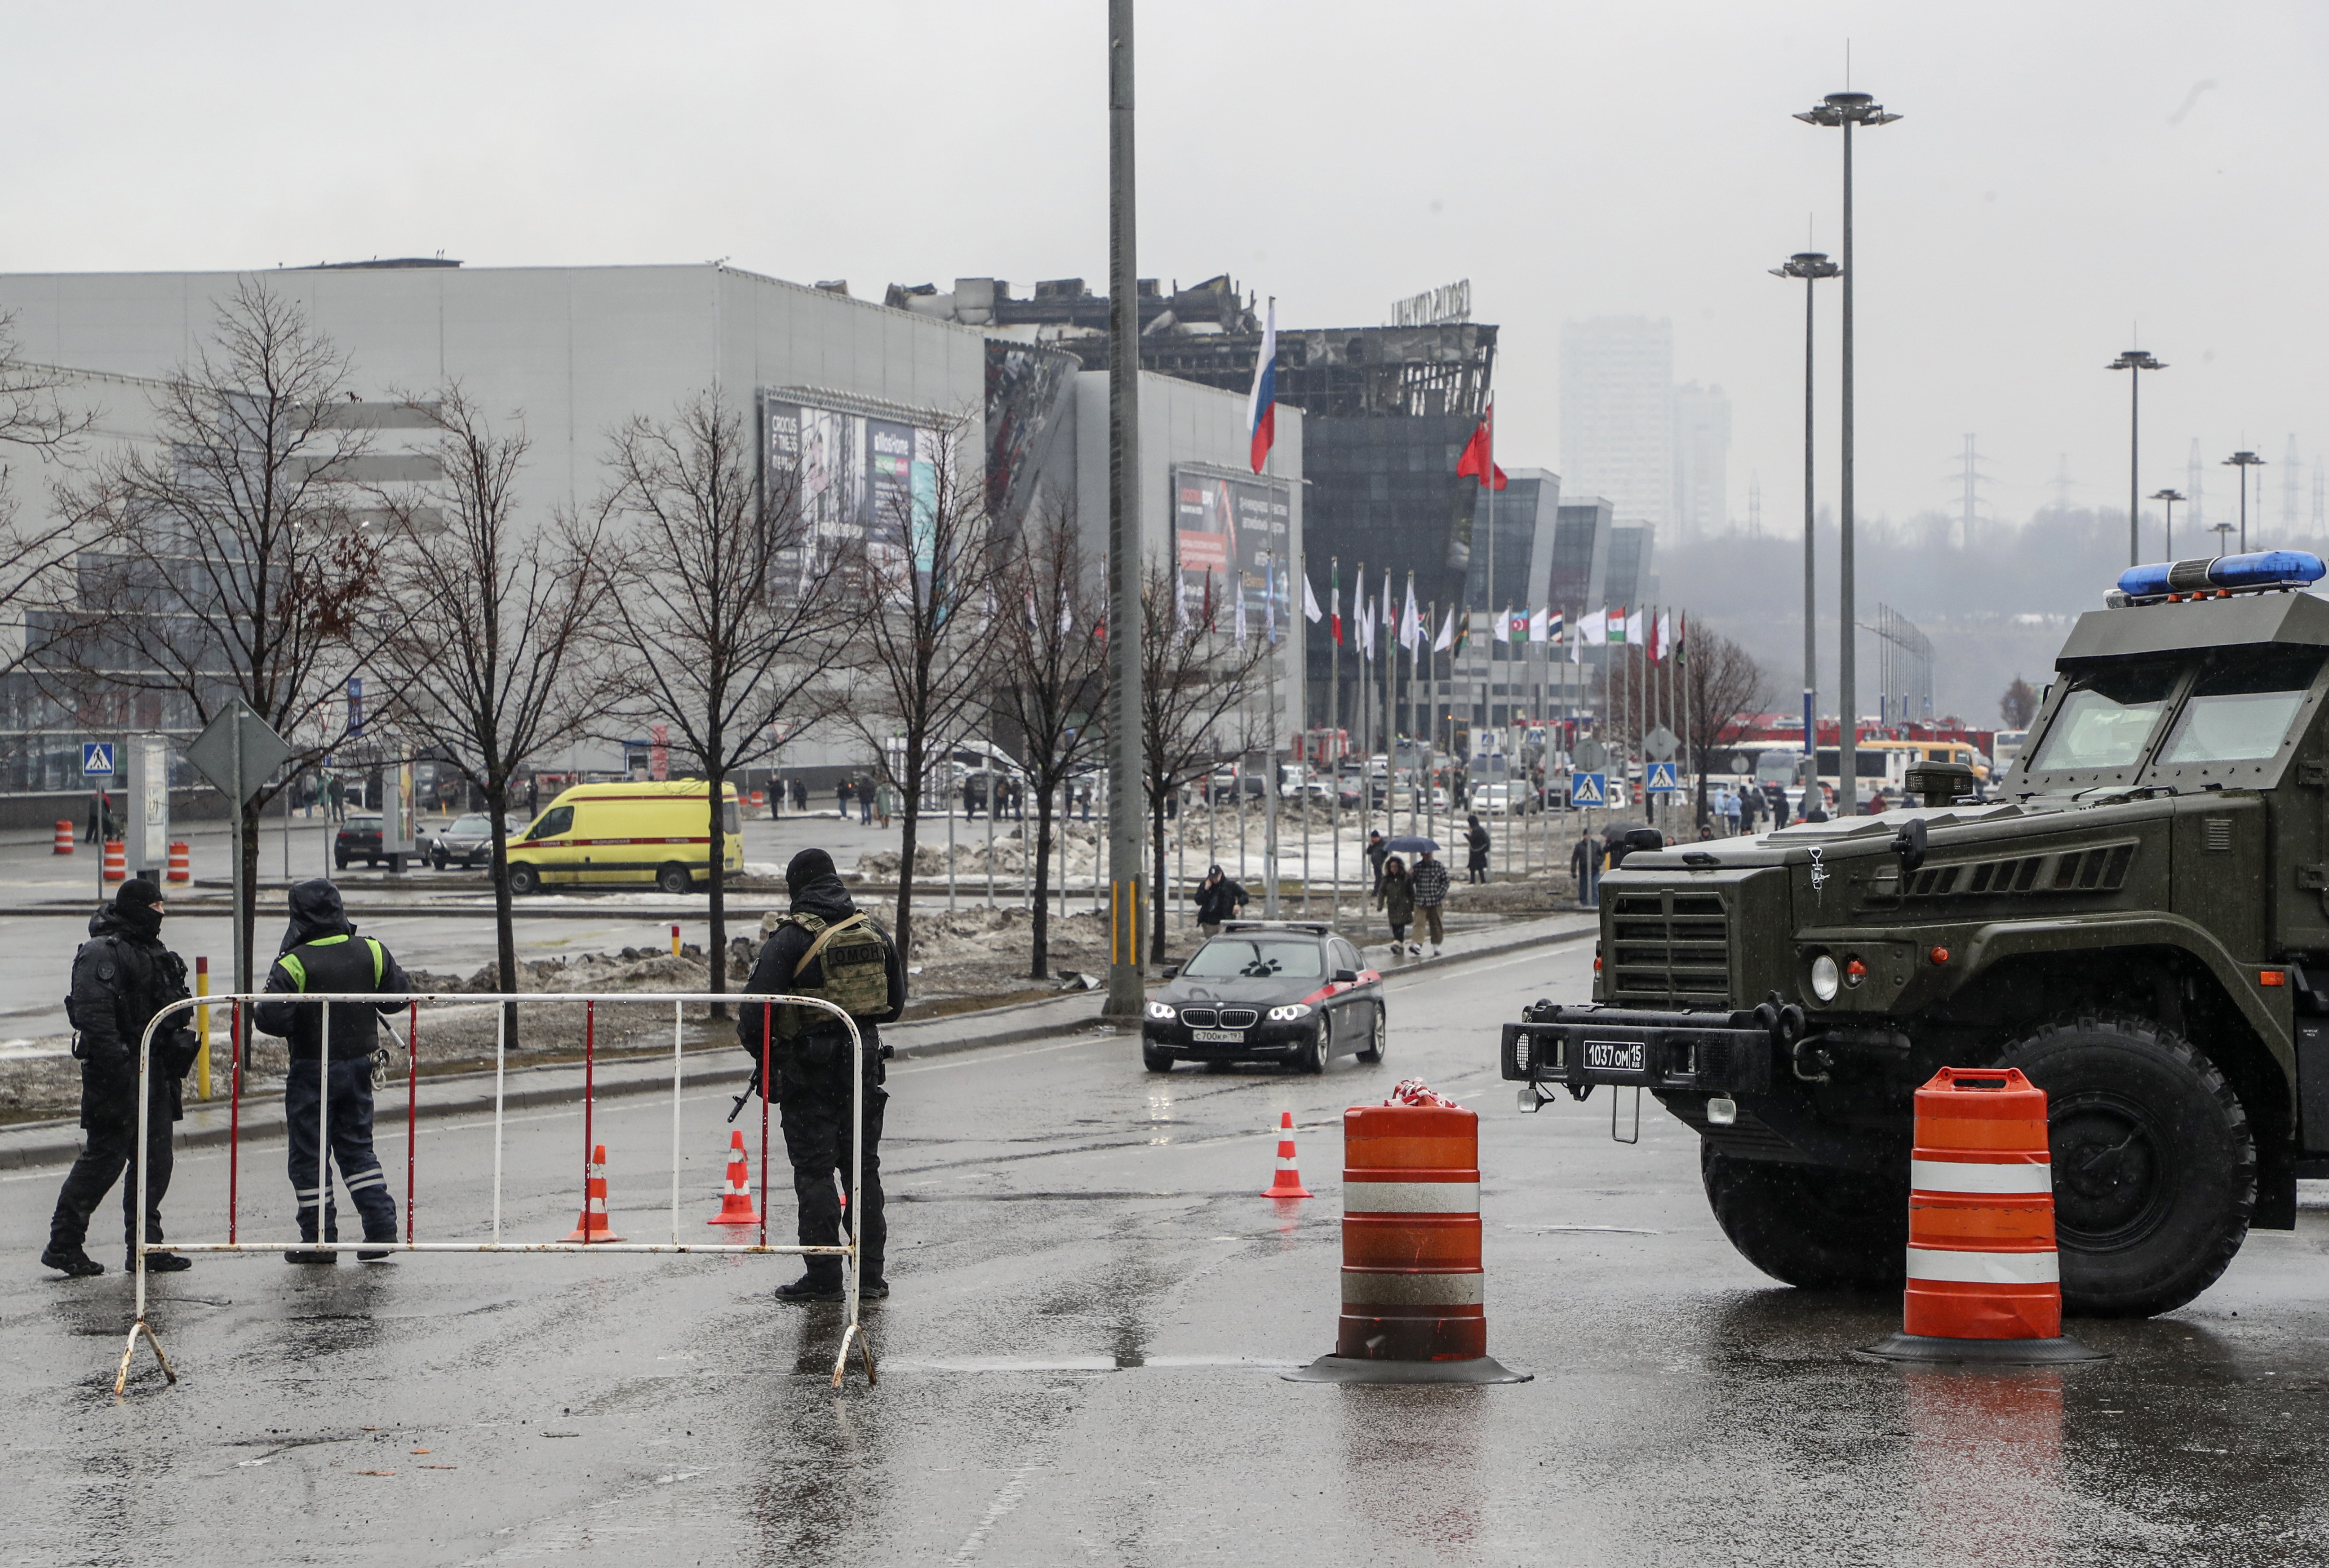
1286	1014
1161	1012
1825	978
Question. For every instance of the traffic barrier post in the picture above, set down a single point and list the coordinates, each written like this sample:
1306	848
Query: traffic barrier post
1413	1299
852	1336
64	839
1985	1276
182	861
116	861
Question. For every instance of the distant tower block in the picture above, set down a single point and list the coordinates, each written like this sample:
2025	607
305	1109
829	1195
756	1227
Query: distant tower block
2062	481
2194	510
2292	470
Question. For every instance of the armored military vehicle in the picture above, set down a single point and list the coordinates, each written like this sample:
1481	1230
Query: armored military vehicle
2138	919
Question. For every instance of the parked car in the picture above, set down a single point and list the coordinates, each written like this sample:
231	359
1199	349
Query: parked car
469	840
1267	990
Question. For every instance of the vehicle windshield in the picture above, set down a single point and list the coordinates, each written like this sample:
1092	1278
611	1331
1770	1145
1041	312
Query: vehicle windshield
2241	708
473	823
1779	768
1244	958
2107	717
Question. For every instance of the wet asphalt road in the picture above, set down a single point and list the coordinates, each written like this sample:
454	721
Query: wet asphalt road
1080	1364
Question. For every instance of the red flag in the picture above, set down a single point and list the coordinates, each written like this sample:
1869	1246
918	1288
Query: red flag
1478	461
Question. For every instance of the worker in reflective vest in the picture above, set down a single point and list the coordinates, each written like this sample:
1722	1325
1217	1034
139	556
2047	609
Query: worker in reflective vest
322	954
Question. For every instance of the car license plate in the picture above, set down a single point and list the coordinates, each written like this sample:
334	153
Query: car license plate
1616	1055
1218	1037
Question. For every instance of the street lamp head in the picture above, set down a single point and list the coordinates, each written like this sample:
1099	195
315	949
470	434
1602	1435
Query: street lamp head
2242	460
1847	109
2136	359
1813	264
2168	495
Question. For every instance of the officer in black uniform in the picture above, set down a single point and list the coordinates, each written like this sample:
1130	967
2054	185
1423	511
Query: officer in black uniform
323	953
121	977
813	1088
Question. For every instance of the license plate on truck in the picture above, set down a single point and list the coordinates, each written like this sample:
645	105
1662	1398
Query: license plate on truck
1616	1055
1218	1037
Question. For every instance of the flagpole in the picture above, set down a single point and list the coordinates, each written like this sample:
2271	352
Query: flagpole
1333	728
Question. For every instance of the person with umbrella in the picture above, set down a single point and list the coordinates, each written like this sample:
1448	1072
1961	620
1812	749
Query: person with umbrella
1428	881
1395	896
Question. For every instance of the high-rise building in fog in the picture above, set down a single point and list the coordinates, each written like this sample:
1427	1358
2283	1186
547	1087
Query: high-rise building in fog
1701	449
1617	415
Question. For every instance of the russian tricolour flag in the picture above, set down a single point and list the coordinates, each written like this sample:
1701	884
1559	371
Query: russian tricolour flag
1261	408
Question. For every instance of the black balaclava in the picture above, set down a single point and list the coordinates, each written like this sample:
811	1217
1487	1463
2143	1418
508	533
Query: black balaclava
139	906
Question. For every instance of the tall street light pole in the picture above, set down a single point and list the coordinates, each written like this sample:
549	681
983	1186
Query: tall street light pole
1128	885
2243	461
1811	265
2137	360
2169	497
1847	110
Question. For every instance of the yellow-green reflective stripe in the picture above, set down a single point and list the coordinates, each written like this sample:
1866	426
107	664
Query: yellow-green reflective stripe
295	969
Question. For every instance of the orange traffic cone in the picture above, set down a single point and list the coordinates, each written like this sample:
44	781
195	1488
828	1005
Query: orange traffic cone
1290	1180
736	1202
593	1225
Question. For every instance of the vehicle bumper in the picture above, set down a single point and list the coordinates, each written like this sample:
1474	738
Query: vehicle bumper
1262	1043
1708	1053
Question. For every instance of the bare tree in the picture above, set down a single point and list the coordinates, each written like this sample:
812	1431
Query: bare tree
715	629
2019	706
926	580
1197	687
35	552
1721	683
1052	680
229	562
494	667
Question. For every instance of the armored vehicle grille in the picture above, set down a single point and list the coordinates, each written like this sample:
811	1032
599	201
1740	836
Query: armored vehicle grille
2100	869
1670	947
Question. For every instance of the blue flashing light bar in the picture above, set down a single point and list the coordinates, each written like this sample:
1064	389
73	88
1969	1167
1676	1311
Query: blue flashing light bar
2263	569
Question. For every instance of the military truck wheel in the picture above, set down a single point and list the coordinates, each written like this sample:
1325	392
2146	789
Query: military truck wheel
2154	1168
1810	1226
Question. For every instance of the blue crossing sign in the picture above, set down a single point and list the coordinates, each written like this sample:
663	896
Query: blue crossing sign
1661	780
1589	789
96	759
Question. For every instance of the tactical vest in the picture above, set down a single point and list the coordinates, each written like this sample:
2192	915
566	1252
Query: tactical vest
853	961
330	964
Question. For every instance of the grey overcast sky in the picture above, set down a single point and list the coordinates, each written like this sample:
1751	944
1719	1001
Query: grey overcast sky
2064	171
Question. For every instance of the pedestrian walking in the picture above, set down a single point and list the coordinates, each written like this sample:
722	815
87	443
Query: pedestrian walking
826	948
1475	841
1430	879
121	977
331	1101
881	801
1377	854
800	796
1218	899
864	801
841	798
1395	896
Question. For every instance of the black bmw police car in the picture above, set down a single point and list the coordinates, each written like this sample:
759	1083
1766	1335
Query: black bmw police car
1267	990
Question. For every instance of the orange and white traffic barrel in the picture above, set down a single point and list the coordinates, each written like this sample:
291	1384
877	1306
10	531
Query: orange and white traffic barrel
1985	1276
64	843
182	861
116	861
1414	1293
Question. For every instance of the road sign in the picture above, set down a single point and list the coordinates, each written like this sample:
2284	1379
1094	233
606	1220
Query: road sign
1589	789
238	752
1661	780
97	759
1661	743
1591	754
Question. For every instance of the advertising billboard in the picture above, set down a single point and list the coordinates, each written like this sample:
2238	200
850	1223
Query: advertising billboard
859	480
1232	538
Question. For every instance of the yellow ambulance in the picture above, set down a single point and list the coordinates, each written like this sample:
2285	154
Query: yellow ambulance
657	833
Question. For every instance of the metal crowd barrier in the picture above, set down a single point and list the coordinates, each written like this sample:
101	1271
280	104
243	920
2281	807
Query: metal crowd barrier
852	1333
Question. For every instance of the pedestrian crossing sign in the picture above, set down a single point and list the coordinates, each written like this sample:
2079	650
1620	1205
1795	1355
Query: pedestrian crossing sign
96	759
1661	780
1589	789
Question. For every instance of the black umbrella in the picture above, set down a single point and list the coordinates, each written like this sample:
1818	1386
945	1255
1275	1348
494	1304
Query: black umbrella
1411	844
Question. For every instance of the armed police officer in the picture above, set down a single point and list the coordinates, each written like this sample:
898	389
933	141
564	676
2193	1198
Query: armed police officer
826	948
322	954
121	977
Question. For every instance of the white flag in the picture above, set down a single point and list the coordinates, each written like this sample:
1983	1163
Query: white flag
1593	630
1310	610
1237	587
1367	627
1537	631
1447	638
1410	629
1634	628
